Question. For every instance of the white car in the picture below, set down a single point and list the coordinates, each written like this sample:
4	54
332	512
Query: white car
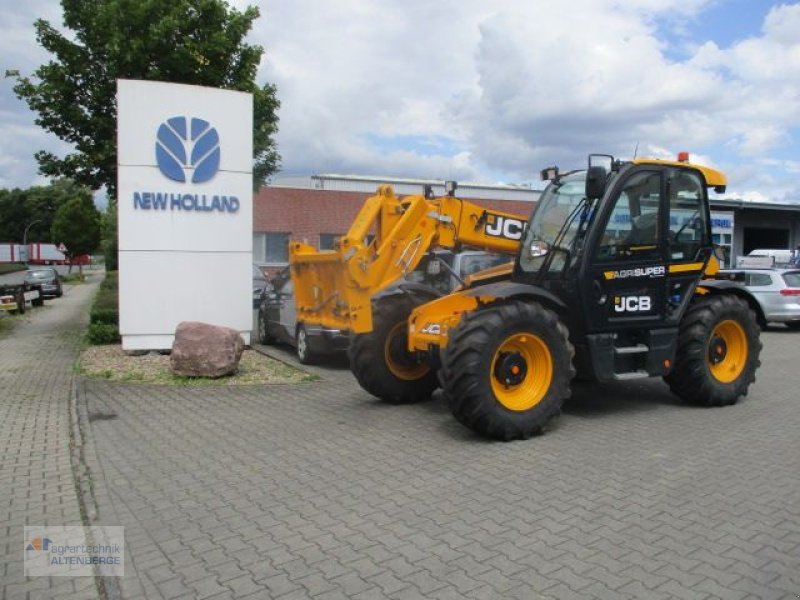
776	290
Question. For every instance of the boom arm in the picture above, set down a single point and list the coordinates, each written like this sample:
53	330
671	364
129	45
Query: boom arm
334	288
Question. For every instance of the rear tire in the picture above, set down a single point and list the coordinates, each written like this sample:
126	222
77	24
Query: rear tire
379	359
20	302
506	370
718	352
263	334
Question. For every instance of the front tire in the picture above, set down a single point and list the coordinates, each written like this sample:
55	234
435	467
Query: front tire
718	352
302	348
506	370
379	359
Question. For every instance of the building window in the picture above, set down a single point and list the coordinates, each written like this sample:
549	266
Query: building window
326	240
271	248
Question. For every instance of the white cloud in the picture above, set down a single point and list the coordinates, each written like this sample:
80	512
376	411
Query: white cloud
508	87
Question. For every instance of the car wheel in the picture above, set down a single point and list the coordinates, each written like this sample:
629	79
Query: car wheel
60	292
302	349
793	324
263	331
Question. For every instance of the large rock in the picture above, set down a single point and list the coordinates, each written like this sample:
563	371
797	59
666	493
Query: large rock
203	350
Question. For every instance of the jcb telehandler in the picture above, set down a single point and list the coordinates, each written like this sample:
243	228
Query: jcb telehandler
613	280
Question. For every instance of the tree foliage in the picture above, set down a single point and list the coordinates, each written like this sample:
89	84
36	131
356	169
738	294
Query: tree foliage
200	42
35	206
77	225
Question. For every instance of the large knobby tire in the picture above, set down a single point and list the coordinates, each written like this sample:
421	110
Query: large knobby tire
718	351
380	361
506	370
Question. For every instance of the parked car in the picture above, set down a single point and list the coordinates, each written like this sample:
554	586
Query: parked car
776	290
48	278
277	317
261	286
277	323
445	270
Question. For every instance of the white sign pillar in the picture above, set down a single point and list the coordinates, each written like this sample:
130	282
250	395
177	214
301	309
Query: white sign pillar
185	210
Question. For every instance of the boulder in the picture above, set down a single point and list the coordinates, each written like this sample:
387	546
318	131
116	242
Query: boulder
203	350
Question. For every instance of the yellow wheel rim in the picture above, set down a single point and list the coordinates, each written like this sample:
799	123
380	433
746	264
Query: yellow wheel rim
727	351
397	357
521	371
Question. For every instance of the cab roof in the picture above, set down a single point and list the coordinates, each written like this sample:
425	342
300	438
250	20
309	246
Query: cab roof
713	177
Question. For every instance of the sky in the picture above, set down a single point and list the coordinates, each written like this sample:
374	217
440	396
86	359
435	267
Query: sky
493	91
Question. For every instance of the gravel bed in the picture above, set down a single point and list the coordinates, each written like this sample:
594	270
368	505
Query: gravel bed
110	362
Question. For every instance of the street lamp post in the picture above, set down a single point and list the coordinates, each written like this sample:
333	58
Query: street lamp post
25	238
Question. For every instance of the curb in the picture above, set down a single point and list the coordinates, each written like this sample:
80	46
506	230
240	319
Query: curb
84	463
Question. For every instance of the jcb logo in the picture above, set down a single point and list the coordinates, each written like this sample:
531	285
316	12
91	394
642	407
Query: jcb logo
505	227
632	303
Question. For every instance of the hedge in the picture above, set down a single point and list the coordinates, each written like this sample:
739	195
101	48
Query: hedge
104	315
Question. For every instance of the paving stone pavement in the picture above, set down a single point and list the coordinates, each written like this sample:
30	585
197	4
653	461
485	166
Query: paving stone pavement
320	491
36	480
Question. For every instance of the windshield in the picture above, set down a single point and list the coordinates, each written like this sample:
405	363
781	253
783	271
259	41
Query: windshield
556	206
43	274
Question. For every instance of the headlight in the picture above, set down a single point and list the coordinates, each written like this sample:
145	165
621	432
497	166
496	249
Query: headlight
538	248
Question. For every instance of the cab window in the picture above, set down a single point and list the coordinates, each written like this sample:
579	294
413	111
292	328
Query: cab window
688	221
632	231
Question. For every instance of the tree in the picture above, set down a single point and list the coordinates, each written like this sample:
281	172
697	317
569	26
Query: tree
77	226
35	206
184	41
108	231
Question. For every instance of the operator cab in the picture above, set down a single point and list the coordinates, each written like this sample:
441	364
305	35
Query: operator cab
623	246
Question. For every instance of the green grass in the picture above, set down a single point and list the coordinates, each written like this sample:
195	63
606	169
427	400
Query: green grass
72	278
11	268
6	323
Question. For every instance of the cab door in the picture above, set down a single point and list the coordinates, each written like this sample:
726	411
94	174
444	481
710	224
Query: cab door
624	283
688	237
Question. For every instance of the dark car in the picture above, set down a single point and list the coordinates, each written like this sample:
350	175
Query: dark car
48	278
261	286
277	323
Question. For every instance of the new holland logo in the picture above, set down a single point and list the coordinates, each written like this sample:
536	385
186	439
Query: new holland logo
187	147
187	150
659	271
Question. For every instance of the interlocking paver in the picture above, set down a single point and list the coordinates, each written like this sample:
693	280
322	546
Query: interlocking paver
36	480
334	494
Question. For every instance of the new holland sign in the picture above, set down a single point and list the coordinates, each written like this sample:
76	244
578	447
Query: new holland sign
185	209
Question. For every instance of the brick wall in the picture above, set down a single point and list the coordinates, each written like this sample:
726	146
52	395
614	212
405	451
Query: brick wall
305	213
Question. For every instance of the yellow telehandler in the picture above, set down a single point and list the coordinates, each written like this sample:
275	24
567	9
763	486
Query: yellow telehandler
612	280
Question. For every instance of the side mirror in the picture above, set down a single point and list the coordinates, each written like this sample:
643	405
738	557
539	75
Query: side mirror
549	174
595	182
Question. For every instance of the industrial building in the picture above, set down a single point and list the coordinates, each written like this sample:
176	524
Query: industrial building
319	208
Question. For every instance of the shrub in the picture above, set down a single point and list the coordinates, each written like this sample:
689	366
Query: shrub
102	333
104	316
109	316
